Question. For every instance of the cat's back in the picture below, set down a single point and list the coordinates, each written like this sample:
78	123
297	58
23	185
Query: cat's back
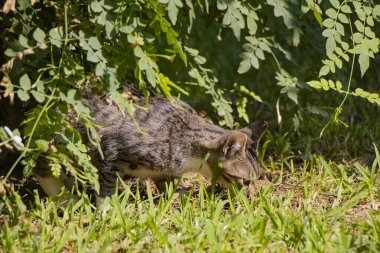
159	135
163	115
159	114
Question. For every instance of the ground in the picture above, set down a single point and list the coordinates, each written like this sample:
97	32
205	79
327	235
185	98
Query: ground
324	207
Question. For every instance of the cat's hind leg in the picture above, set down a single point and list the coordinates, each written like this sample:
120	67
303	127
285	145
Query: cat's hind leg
54	187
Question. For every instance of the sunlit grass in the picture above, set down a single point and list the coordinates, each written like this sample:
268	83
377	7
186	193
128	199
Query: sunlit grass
319	206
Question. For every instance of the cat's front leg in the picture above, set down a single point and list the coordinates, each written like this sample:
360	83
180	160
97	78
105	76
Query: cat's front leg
108	184
107	170
164	182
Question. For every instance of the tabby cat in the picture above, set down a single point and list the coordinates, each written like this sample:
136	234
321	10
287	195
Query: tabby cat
176	140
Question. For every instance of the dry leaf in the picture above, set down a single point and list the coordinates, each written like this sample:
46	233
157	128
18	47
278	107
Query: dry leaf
9	5
29	51
7	67
2	189
43	46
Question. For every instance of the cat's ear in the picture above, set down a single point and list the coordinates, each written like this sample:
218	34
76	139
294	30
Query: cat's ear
255	130
231	144
235	145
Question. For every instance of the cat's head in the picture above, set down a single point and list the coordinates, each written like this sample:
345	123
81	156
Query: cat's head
234	156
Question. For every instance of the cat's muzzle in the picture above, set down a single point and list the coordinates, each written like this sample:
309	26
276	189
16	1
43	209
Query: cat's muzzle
239	181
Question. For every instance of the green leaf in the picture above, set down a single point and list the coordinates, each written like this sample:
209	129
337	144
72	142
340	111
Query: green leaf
339	28
23	95
255	62
315	84
361	14
42	145
364	63
324	83
96	7
55	33
110	30
244	66
359	25
236	28
260	54
331	13
291	92
91	56
368	32
127	29
359	91
99	69
332	66
373	44
139	53
335	3
151	76
331	84
376	12
241	104
38	96
227	18
25	82
339	63
144	63
344	45
328	22
173	10
39	35
370	21
357	37
345	57
102	18
330	45
264	46
346	9
317	15
40	86
55	36
10	52
343	18
94	43
327	32
339	85
251	24
19	203
324	71
221	5
338	212
23	41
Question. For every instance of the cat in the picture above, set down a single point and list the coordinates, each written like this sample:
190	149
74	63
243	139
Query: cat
172	139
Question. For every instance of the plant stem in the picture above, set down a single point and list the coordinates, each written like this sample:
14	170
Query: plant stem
30	136
352	68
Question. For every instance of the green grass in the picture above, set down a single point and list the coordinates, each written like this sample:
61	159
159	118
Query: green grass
317	207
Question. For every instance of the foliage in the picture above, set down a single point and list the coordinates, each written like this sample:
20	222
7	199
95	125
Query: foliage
54	51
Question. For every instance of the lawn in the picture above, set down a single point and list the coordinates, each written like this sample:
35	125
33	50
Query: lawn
317	206
309	68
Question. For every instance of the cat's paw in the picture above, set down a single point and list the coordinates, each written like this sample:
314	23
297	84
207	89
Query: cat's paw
104	205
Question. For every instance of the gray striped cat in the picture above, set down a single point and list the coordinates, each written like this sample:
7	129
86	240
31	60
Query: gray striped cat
176	142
